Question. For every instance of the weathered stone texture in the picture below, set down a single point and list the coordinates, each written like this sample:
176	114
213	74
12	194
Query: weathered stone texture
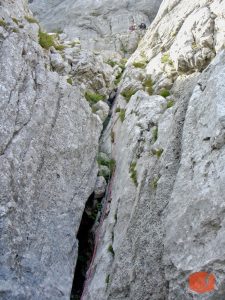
48	147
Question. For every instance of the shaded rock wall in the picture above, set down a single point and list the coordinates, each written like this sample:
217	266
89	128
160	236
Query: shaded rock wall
48	147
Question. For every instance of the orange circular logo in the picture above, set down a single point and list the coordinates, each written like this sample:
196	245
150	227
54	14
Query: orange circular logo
202	282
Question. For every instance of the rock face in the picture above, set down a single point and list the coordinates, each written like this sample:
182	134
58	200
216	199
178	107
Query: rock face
166	218
48	147
99	24
163	212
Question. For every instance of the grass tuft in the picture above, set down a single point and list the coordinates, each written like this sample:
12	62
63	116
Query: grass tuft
93	98
140	64
133	173
122	114
45	40
110	249
111	63
59	47
112	136
31	20
110	163
157	152
164	93
170	103
166	59
148	84
155	134
154	183
107	279
127	94
15	21
69	80
3	23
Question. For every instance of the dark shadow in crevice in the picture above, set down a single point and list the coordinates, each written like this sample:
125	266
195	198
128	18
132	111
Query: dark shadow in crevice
85	237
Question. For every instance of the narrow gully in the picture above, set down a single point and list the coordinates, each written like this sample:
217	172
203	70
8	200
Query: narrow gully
87	230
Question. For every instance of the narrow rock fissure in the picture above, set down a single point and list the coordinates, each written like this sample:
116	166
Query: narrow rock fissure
85	237
89	226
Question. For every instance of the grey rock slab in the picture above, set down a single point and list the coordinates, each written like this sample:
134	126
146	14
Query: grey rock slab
98	24
100	187
48	148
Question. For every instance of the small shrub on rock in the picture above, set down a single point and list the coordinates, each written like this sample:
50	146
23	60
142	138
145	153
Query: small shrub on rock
133	173
166	59
45	40
122	114
140	64
148	84
155	134
112	136
154	183
107	279
31	20
170	103
15	21
70	81
3	23
110	249
164	93
111	63
157	152
128	93
93	98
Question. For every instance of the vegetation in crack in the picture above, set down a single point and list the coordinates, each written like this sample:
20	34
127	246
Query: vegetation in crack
93	98
133	172
128	93
164	93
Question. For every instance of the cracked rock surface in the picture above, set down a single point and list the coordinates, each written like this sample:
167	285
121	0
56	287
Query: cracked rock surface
48	147
165	215
166	218
102	25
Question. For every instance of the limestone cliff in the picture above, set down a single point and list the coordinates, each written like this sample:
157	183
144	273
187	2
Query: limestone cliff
162	216
48	147
99	24
166	217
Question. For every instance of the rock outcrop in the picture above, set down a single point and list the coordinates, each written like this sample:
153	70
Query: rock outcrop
166	218
162	149
48	148
101	25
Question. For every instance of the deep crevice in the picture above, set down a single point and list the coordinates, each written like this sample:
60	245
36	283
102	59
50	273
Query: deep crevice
88	226
85	237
